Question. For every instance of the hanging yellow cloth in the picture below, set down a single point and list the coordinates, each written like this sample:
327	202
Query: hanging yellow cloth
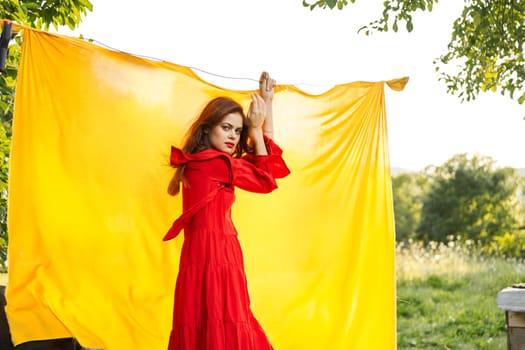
88	206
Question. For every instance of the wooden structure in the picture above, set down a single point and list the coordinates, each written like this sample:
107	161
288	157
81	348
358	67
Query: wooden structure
512	301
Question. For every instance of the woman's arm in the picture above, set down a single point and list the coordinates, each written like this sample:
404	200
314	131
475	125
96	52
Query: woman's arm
256	116
260	114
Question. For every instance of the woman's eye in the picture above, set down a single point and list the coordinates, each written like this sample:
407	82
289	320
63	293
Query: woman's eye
225	127
238	131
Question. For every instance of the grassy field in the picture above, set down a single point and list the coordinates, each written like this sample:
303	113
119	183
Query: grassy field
446	297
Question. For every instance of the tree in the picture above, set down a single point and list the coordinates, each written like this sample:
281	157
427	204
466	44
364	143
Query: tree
39	14
471	199
408	191
487	43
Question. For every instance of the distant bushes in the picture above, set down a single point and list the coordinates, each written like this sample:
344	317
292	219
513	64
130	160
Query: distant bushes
466	198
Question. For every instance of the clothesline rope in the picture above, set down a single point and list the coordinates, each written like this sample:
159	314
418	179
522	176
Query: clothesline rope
327	86
196	68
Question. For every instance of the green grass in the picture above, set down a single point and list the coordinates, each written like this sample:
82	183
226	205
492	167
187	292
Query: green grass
446	297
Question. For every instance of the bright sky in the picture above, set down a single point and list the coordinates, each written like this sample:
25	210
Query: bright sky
240	38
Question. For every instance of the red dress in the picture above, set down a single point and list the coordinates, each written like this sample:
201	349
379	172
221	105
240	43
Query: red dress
212	306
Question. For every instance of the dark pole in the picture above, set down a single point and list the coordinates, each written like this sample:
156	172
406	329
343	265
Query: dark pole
4	43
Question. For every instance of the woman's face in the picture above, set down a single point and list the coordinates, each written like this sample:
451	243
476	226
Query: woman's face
225	136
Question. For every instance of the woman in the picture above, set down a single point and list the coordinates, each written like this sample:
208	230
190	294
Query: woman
224	149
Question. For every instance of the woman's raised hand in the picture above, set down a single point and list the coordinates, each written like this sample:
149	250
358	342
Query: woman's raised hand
256	112
260	114
266	86
266	89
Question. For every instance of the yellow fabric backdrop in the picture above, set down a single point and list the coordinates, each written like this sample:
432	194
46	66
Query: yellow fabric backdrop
88	206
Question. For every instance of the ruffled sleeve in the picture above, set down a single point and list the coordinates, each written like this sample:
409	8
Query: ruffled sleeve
257	173
273	163
177	157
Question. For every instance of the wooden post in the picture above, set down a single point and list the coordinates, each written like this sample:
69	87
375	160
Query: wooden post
512	301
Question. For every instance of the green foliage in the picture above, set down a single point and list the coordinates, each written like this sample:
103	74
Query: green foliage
408	190
327	3
487	46
40	14
486	51
396	12
43	13
448	298
467	197
508	244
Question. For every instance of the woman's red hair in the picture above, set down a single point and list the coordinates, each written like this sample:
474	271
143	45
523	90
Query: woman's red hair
197	138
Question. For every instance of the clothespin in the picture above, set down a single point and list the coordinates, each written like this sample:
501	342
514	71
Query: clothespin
4	43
